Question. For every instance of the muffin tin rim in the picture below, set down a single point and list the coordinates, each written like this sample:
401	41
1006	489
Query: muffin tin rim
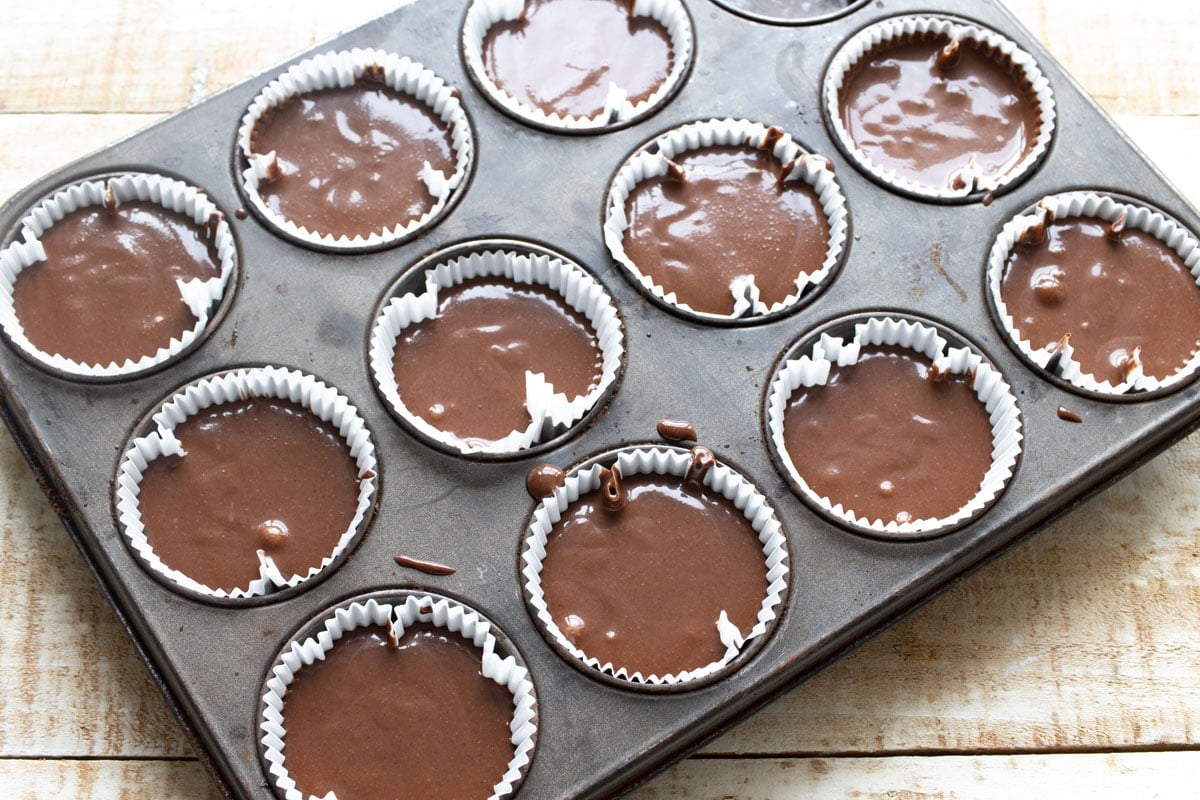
793	22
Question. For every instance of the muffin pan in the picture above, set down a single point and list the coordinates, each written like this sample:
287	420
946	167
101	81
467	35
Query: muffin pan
301	308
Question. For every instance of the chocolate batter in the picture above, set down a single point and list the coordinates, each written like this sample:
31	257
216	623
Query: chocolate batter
727	218
643	586
464	370
106	291
906	113
428	567
1067	414
350	158
542	480
676	430
888	439
260	474
377	722
1112	293
561	55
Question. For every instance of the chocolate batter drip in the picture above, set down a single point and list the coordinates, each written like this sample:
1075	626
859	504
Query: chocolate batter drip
542	480
107	290
1036	233
773	137
561	55
948	56
1117	226
924	107
259	474
611	493
1068	415
674	430
1113	295
412	717
428	567
702	461
887	442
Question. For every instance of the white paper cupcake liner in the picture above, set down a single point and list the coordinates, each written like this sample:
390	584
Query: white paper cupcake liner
397	616
618	110
201	296
1060	362
305	390
993	391
551	412
651	161
660	461
342	69
900	28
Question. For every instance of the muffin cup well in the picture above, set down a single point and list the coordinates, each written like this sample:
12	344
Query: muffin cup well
651	160
203	298
659	460
774	12
618	111
809	362
500	660
972	184
340	70
1059	363
155	438
552	414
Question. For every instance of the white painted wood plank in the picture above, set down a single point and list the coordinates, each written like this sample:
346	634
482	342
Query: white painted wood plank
1145	776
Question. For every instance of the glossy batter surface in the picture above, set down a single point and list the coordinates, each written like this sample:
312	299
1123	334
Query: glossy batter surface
730	217
887	440
563	54
377	722
1111	294
907	114
259	474
463	371
350	158
643	586
107	290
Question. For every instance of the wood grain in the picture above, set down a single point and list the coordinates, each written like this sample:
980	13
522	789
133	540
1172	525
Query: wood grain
22	779
1082	642
70	56
1096	776
70	683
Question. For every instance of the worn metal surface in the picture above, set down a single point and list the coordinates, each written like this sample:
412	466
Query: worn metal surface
311	310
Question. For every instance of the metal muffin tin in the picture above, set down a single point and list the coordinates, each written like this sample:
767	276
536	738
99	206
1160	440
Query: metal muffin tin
296	307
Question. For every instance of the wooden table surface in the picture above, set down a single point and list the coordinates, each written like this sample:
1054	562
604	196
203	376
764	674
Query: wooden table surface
1068	668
